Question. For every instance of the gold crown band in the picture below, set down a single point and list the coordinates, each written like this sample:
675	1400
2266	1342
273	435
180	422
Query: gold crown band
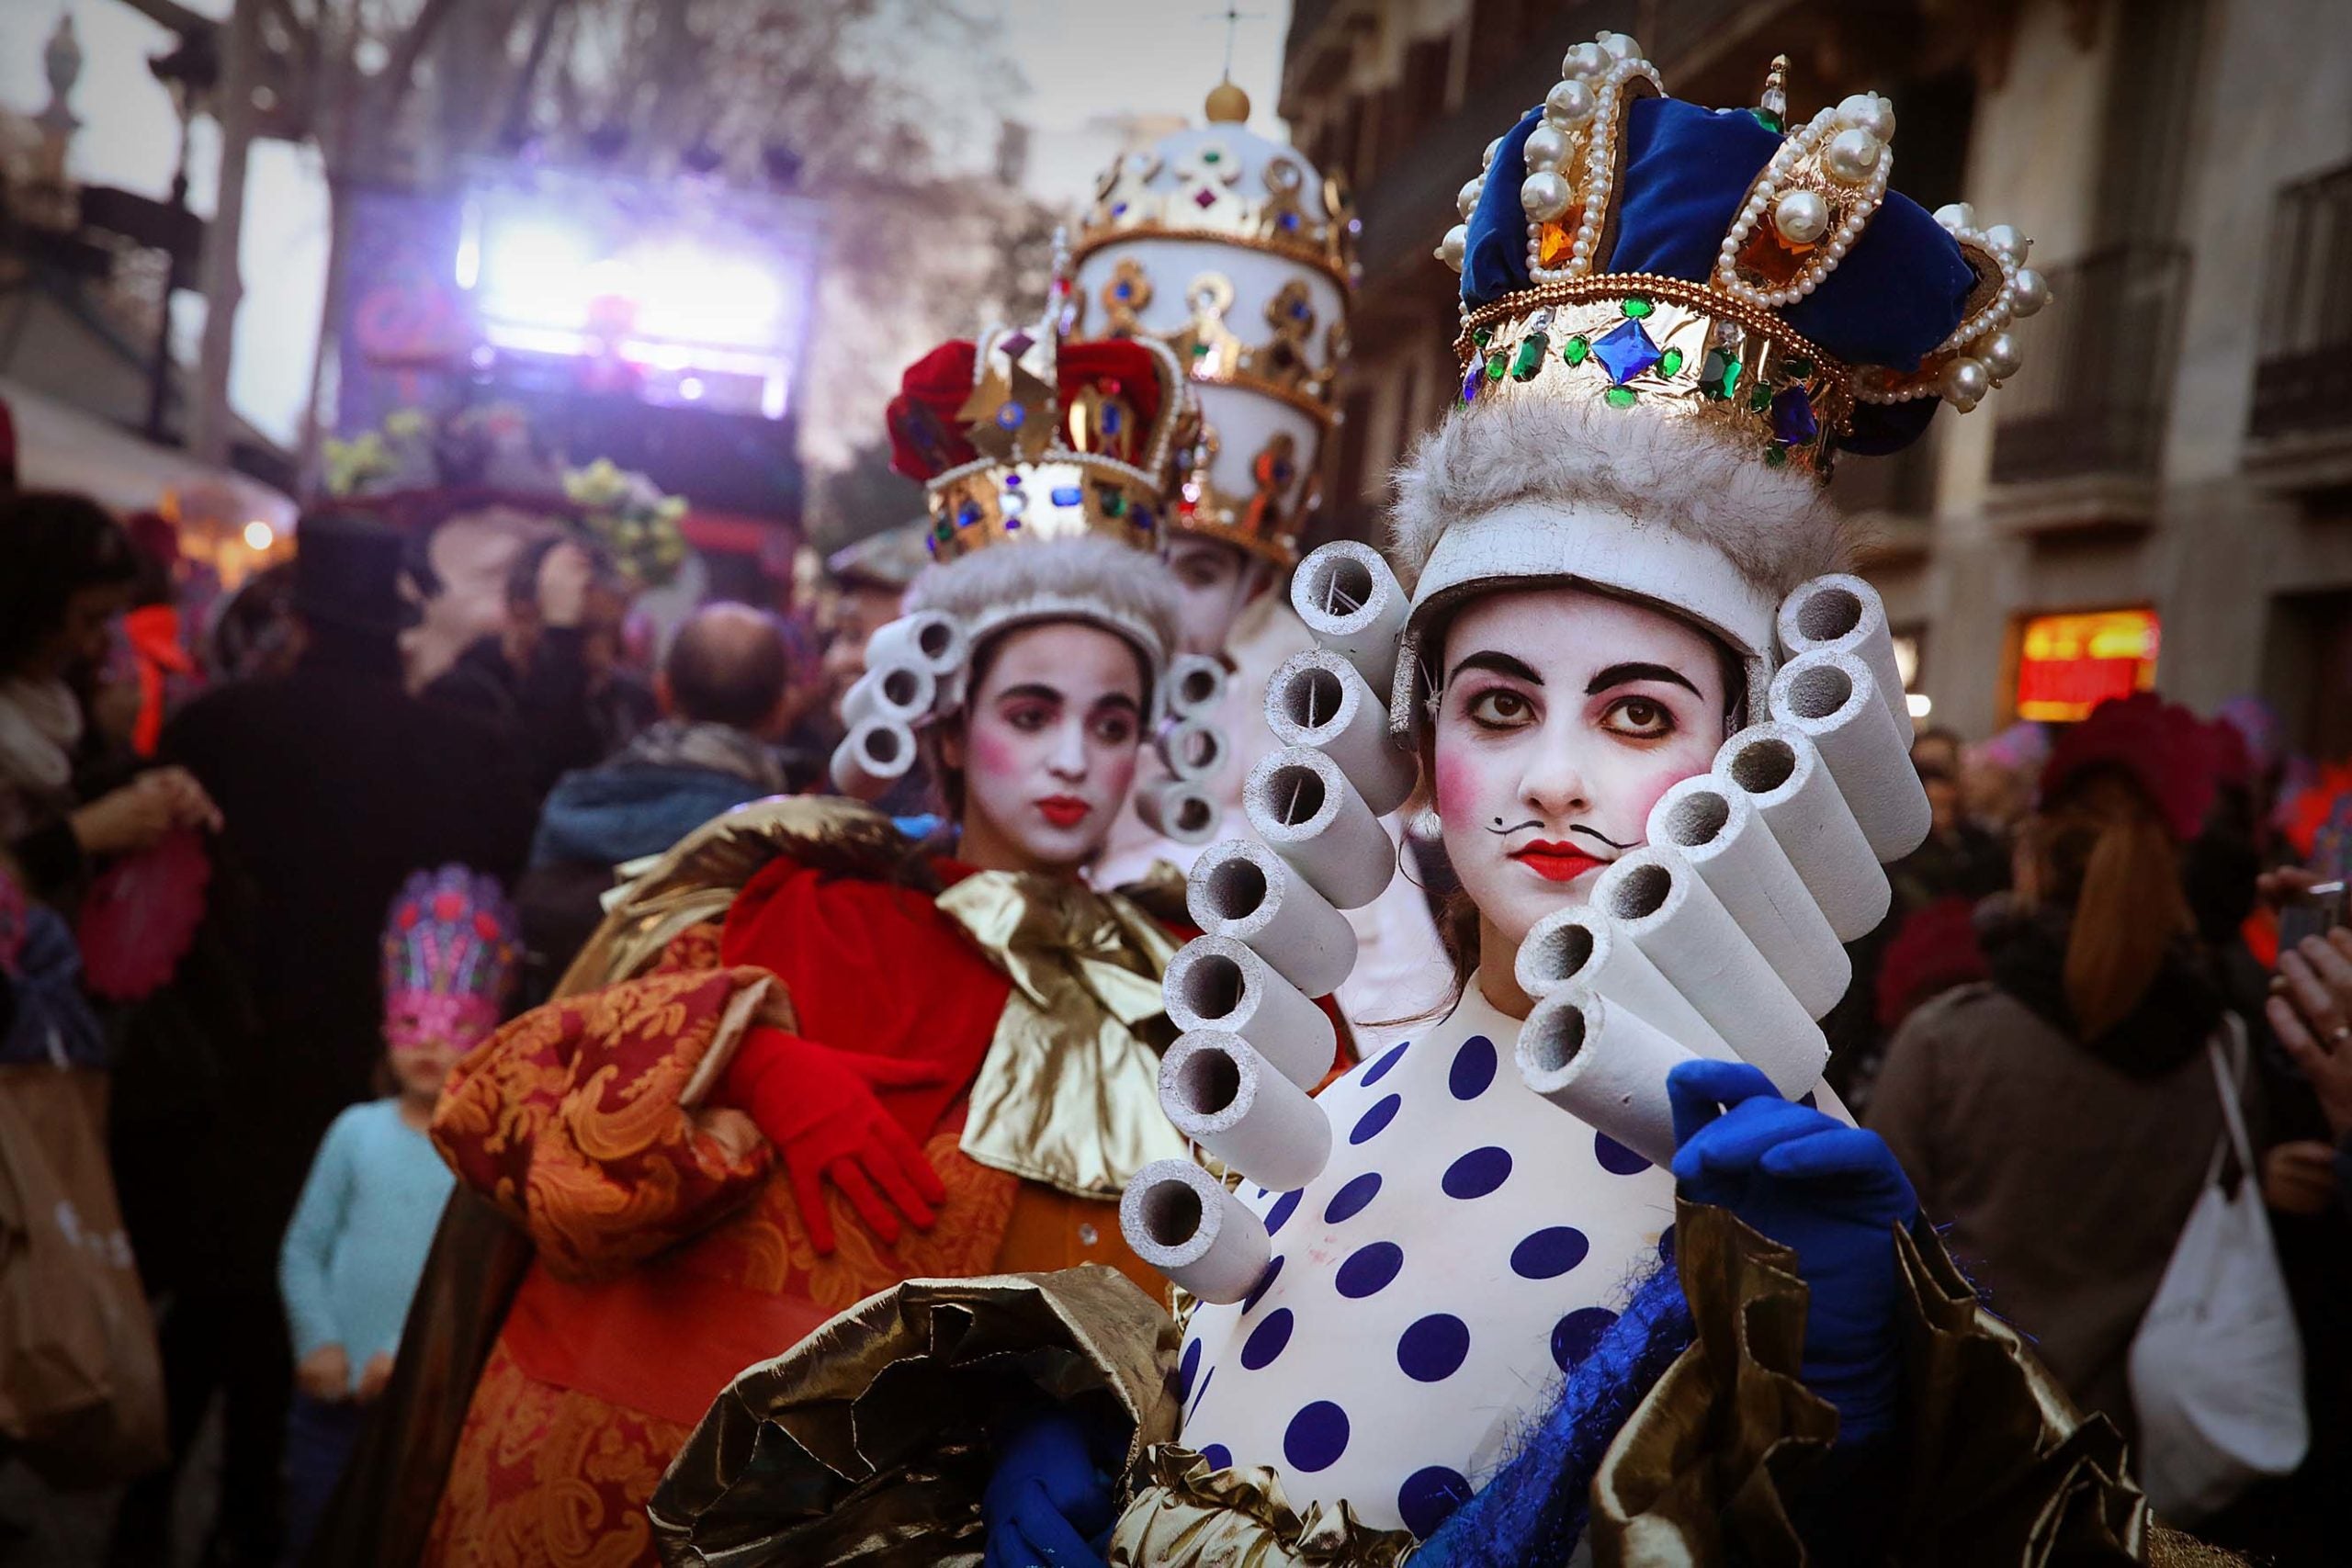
1630	341
1063	495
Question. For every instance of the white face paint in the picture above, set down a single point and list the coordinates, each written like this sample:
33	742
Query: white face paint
1048	747
1563	715
1214	584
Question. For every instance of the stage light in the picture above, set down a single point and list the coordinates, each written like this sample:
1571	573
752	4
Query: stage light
690	387
1920	704
259	536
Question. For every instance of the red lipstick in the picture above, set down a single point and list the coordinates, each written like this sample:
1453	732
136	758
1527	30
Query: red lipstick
1555	862
1065	810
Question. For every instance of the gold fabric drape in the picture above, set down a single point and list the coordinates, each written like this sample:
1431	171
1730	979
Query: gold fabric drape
1068	1093
866	1445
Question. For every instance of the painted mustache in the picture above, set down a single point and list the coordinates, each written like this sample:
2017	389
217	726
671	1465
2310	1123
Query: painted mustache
1502	832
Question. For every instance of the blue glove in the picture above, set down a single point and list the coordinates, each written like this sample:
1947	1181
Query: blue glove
1047	1503
1831	1193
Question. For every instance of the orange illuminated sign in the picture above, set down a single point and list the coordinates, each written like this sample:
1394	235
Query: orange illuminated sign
2069	664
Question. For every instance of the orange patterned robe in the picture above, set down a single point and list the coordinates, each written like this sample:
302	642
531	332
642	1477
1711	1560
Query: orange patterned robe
670	1254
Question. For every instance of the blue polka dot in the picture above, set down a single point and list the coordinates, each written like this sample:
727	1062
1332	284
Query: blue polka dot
1266	1340
1349	1200
1379	1069
1205	1391
1549	1253
1317	1437
1265	1282
1369	1125
1218	1455
1369	1269
1432	1349
1615	1157
1188	1369
1666	1245
1429	1497
1574	1335
1473	1069
1477	1173
1284	1206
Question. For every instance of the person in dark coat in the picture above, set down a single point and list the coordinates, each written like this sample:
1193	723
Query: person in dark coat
722	690
342	784
550	682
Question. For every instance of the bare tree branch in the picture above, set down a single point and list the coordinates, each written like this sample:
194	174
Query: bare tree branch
401	69
178	18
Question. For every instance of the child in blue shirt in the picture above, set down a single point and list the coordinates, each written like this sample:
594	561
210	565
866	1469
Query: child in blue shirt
357	1247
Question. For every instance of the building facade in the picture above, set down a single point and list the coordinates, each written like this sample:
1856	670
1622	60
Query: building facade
2165	493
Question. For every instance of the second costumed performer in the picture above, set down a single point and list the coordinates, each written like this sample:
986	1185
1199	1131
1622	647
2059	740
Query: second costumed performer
822	1059
1592	1269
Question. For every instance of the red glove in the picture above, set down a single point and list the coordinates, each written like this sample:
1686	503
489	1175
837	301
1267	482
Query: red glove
817	1105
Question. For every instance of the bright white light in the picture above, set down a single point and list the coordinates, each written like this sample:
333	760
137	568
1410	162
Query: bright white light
259	536
538	272
1920	704
690	294
690	387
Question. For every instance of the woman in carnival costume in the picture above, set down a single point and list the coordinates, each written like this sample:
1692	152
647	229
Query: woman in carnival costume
806	1058
1591	1270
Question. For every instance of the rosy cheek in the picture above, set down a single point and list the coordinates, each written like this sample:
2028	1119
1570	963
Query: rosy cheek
1118	772
994	752
1456	784
1652	784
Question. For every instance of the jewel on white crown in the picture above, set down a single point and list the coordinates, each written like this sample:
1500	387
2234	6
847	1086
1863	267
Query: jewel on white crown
1545	196
1956	215
1569	104
1546	147
2031	292
1853	156
1802	217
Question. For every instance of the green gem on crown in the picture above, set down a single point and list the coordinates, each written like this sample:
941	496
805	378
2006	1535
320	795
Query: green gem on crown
1619	397
1669	362
1529	359
1575	349
1720	375
1495	363
1636	306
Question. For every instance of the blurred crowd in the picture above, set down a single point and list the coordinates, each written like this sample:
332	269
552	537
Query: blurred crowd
264	883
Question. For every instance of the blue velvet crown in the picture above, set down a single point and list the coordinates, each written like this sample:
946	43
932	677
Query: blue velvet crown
1712	265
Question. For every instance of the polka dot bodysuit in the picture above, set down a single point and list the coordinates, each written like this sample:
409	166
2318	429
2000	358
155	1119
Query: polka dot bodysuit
1464	1245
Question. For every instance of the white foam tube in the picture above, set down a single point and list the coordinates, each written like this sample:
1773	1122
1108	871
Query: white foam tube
1179	811
876	754
1195	685
1841	613
1225	1096
1193	747
1181	1221
1783	774
1831	698
1582	947
896	694
1354	606
1217	983
1301	803
1241	889
1713	827
1670	913
1320	700
929	639
1604	1065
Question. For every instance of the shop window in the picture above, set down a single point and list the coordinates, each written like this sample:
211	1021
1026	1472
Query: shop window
2068	664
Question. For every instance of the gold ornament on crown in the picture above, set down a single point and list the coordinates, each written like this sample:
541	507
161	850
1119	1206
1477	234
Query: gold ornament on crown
1718	352
1211	352
1050	469
1263	523
1204	197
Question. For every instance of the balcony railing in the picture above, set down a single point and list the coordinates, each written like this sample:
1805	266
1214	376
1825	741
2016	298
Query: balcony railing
2092	398
2303	382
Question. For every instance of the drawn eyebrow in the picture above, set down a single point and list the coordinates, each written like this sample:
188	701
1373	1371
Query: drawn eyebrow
1619	674
1119	700
1500	663
1035	690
